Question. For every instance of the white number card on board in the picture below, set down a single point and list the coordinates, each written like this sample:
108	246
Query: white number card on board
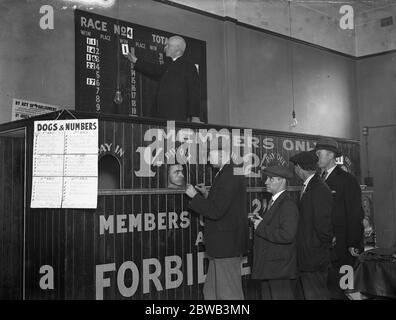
65	164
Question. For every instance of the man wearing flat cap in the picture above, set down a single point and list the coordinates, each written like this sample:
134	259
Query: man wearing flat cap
315	232
274	253
347	212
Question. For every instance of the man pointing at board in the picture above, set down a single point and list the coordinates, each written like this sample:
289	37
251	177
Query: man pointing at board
178	95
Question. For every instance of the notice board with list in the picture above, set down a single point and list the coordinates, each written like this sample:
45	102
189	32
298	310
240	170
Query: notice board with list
65	164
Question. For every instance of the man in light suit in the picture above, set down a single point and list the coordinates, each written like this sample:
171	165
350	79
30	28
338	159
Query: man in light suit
315	231
226	227
347	212
274	253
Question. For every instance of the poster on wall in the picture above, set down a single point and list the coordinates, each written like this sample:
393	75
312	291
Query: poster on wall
22	109
65	164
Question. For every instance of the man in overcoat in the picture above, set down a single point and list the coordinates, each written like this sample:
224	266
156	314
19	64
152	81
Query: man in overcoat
315	231
275	252
347	212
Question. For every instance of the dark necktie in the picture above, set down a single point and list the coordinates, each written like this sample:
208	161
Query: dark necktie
270	204
324	174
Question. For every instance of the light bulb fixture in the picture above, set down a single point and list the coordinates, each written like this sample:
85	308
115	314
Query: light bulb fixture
118	97
294	121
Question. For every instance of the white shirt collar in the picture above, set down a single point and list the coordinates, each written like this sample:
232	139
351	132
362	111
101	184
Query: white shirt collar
329	171
174	59
307	181
276	195
221	168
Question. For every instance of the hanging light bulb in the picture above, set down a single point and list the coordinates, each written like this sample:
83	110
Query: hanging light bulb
294	121
118	97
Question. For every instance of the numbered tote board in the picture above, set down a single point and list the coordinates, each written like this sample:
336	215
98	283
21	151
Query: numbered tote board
105	80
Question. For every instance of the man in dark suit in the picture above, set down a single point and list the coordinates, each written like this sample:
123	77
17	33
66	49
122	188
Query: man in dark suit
274	253
347	212
178	96
226	227
315	231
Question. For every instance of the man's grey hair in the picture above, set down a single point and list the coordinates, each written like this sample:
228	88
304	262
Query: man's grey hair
181	43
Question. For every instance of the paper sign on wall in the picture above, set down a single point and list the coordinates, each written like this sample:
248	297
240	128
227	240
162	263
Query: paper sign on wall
65	164
22	109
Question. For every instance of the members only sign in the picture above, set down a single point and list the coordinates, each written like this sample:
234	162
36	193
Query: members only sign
65	164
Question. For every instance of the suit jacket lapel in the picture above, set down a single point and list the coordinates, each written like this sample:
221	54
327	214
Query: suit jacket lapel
269	215
330	179
222	171
309	186
311	183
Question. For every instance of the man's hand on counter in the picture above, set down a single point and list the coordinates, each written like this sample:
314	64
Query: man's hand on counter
190	191
202	190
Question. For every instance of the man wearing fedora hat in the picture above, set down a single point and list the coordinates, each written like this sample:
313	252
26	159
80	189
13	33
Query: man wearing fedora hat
347	212
315	231
274	253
